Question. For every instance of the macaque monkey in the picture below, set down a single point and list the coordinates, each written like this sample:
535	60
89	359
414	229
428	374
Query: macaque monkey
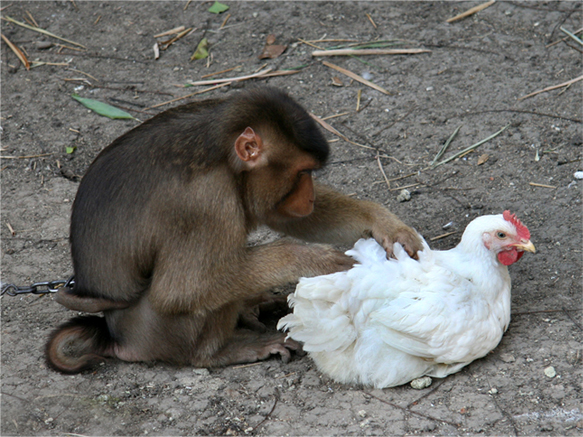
159	232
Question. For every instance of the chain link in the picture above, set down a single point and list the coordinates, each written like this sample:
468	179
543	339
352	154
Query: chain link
37	287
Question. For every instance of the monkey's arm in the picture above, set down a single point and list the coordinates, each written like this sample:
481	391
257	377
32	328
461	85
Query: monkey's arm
340	219
239	275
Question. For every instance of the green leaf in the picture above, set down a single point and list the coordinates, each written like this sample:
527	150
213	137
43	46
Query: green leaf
102	108
70	150
201	51
218	8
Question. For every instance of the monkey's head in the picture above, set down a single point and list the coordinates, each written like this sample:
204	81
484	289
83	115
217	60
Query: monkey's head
277	145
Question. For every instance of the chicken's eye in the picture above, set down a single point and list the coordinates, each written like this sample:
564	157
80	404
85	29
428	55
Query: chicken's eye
501	235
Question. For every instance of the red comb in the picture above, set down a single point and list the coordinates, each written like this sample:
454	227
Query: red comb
521	230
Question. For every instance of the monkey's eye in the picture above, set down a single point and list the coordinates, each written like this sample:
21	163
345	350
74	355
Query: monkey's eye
501	235
308	172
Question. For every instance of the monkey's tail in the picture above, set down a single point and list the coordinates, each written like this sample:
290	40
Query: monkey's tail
79	344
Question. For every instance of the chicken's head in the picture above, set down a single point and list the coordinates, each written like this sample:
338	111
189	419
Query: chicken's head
509	240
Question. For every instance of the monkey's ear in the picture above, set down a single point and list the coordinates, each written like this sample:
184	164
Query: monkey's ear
249	148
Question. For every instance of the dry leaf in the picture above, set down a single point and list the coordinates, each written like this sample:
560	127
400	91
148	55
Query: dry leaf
17	52
483	158
271	50
270	40
336	81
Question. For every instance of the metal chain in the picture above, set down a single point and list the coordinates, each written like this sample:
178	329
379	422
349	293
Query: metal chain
37	287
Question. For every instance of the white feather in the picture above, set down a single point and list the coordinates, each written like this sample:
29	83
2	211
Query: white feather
386	322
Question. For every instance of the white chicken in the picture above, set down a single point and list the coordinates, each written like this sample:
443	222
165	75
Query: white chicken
386	321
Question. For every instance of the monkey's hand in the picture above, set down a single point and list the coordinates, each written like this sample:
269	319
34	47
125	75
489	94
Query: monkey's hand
404	235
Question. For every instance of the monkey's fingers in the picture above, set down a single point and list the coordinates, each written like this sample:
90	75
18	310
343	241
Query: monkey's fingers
406	237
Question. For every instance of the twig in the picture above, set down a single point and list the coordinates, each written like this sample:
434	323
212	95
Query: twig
445	146
356	77
170	32
364	52
371	20
335	132
189	95
11	229
394	122
400	177
519	111
182	34
383	172
310	44
32	20
439	237
572	319
38	29
270	411
243	366
572	36
220	72
225	21
25	157
472	147
554	87
504	412
335	116
470	11
563	39
406	186
407	410
231	79
534	184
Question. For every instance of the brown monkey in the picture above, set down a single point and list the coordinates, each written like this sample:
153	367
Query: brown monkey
159	233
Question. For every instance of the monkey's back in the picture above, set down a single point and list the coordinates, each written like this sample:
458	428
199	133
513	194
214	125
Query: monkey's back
136	192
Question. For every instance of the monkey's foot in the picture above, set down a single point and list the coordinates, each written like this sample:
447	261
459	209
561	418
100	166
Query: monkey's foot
249	347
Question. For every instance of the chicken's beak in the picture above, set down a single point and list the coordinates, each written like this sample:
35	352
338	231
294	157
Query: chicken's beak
525	246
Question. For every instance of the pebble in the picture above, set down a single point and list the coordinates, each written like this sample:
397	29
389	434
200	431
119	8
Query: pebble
493	391
507	358
578	175
550	372
404	196
43	45
421	383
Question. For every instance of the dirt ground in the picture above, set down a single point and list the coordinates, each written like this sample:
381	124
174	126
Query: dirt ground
476	72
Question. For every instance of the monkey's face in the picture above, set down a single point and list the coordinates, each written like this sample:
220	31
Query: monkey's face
284	187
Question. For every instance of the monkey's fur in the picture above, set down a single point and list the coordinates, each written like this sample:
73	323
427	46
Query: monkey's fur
159	233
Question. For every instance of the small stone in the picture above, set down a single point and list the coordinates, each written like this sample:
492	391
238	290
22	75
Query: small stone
493	391
43	45
421	383
550	372
578	175
507	358
404	196
362	413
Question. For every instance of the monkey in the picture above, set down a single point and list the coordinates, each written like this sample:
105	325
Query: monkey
160	225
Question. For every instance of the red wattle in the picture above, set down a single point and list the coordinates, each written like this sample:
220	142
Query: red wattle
508	257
